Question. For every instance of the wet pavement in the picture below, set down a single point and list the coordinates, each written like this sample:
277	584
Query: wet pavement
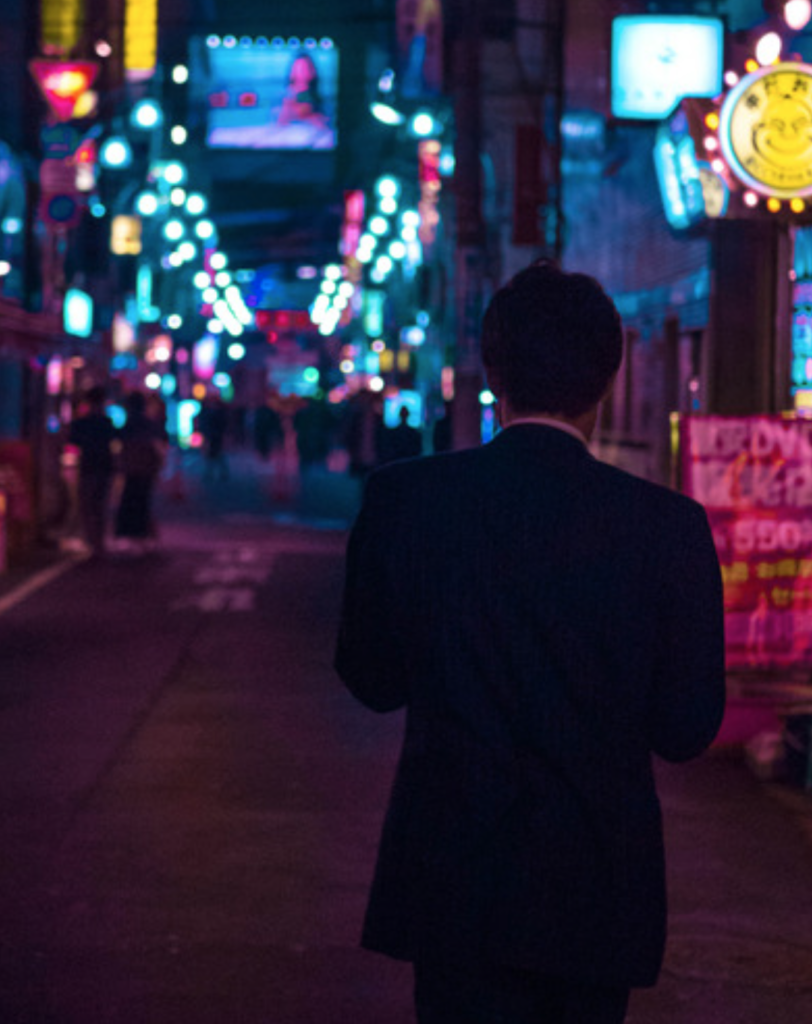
190	803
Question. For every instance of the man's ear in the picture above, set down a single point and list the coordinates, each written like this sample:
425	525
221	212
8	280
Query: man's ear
609	387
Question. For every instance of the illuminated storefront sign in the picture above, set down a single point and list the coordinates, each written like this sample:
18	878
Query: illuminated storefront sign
140	38
353	223
690	189
78	313
428	164
61	23
374	303
754	477
64	84
765	130
801	369
656	60
125	235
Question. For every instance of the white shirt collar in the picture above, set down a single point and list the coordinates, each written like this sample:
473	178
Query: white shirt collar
548	421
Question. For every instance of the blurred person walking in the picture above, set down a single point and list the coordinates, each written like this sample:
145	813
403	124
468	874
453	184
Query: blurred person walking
314	425
212	422
403	441
268	433
93	433
364	433
549	623
143	443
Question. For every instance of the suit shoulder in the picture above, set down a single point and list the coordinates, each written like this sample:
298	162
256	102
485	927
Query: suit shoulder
424	468
662	500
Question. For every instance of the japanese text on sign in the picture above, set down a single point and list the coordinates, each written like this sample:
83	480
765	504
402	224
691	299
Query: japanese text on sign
754	477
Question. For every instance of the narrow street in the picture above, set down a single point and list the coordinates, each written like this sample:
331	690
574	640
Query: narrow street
190	802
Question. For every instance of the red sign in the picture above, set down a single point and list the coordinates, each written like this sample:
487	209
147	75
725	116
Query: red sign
754	477
428	174
283	320
353	222
63	83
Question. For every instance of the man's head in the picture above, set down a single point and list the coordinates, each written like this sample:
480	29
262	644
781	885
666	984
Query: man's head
135	403
551	342
95	398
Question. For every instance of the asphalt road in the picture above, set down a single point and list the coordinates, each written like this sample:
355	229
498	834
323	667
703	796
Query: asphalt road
190	802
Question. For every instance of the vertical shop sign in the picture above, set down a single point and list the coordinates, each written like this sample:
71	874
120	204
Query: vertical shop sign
802	319
428	174
754	476
140	39
61	24
420	45
353	222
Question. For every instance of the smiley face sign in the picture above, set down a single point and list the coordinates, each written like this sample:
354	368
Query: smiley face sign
765	130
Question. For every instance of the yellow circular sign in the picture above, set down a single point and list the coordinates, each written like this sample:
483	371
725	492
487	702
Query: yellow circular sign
766	130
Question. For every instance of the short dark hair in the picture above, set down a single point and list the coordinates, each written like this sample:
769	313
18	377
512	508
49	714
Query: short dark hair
135	403
95	396
551	341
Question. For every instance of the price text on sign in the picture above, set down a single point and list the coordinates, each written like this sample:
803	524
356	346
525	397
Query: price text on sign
754	477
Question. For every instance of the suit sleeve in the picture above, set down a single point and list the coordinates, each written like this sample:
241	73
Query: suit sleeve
688	697
369	653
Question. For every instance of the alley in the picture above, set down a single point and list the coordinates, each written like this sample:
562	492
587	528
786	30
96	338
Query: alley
190	802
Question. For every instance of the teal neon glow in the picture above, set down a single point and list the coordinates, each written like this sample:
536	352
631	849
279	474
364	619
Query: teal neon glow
659	59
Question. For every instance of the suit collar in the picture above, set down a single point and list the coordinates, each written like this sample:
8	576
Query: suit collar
547	421
541	438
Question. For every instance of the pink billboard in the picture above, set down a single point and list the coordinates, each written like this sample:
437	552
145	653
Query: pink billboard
754	476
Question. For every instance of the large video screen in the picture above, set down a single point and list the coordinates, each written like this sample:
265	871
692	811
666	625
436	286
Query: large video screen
658	59
266	94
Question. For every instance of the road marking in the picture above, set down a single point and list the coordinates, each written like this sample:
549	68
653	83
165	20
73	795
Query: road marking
231	579
219	599
232	574
35	583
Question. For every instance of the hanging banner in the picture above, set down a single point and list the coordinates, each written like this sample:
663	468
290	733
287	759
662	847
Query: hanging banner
754	476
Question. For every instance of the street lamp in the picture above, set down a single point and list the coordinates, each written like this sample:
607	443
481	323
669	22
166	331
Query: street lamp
116	153
146	114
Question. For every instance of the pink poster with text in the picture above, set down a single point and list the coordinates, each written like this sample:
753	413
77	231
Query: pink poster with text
753	474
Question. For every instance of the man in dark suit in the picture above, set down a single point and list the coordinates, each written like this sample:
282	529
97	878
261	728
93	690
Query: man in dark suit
549	623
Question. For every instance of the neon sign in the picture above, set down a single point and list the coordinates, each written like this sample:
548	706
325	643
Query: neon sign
140	38
765	130
657	60
64	83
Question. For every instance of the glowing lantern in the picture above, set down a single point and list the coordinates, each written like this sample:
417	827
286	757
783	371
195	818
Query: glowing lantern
797	13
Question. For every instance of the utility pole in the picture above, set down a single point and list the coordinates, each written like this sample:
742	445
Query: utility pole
470	227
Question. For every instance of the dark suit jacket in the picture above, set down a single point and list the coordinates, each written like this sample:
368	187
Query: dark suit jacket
548	622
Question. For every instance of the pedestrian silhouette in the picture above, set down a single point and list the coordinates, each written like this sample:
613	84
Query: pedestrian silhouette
268	433
143	446
93	434
402	441
549	623
212	422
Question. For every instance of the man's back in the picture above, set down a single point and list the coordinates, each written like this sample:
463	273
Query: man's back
548	623
526	597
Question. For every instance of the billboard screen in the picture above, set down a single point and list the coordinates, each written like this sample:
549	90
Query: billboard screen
659	59
261	94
